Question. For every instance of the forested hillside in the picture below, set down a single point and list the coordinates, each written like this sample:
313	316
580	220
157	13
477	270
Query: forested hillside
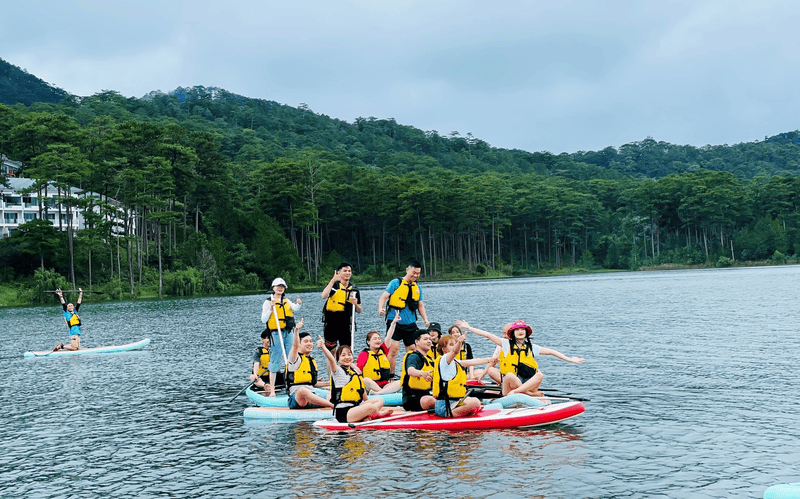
17	85
221	192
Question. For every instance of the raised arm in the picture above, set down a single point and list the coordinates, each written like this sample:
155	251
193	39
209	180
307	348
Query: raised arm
390	331
328	355
454	351
480	332
556	353
296	341
80	295
327	291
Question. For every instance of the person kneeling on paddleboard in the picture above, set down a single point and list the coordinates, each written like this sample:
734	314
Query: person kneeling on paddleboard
73	322
450	380
348	392
519	370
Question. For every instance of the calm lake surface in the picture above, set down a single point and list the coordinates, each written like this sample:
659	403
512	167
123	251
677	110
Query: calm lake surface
692	375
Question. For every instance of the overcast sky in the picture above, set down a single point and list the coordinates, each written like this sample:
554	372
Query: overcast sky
558	76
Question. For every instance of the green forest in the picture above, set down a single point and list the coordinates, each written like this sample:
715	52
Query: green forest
219	193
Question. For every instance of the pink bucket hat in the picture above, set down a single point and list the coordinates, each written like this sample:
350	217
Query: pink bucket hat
517	325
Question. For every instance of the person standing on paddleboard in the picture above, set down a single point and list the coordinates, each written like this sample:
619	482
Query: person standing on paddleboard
72	320
278	315
342	301
404	295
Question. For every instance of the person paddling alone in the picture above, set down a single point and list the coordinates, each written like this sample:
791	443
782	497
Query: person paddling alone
73	322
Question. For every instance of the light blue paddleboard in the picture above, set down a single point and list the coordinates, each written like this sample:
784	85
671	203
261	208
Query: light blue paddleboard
783	491
262	400
284	414
83	351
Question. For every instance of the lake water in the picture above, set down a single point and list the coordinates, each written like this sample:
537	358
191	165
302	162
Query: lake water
692	376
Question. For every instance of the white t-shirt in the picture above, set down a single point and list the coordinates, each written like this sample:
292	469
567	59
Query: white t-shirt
447	371
266	309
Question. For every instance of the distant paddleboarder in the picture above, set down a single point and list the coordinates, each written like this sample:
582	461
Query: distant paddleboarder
73	322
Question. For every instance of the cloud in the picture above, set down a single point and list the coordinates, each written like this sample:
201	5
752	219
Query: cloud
565	76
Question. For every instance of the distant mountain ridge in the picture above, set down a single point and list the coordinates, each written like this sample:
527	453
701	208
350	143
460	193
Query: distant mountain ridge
273	129
17	85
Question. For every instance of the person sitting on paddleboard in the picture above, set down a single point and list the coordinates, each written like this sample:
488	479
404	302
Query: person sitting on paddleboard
348	391
301	373
435	332
374	364
519	370
260	374
417	375
278	315
450	380
72	320
466	351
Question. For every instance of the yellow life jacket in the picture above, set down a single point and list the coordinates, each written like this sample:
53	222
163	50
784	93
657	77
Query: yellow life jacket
283	310
462	354
518	361
74	320
414	382
352	392
338	298
306	374
433	355
449	389
263	362
377	367
406	295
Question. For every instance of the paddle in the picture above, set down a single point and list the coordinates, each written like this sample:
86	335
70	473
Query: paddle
242	391
353	323
77	291
390	418
278	325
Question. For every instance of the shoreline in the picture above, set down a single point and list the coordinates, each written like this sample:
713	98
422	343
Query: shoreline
8	301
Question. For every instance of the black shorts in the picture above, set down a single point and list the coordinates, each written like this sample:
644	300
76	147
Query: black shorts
337	333
412	402
341	413
404	332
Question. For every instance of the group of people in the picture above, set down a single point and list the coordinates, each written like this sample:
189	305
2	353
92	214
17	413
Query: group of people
435	370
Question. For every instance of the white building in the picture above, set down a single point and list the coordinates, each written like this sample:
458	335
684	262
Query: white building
17	208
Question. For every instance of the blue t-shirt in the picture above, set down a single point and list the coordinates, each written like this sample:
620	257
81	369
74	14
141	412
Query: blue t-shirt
406	316
73	330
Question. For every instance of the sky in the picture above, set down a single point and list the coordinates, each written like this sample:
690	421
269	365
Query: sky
557	76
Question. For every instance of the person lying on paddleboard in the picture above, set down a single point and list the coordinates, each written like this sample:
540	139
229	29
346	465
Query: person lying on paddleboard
417	374
374	363
301	373
72	320
348	391
519	370
450	379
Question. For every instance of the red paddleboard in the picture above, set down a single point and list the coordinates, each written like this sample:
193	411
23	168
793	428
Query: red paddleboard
485	419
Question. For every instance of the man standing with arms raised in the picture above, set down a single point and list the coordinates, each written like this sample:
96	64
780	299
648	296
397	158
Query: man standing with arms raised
405	297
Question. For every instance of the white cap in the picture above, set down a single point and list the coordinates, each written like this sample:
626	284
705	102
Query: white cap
279	282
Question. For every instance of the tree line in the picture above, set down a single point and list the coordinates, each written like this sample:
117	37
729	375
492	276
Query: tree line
203	191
